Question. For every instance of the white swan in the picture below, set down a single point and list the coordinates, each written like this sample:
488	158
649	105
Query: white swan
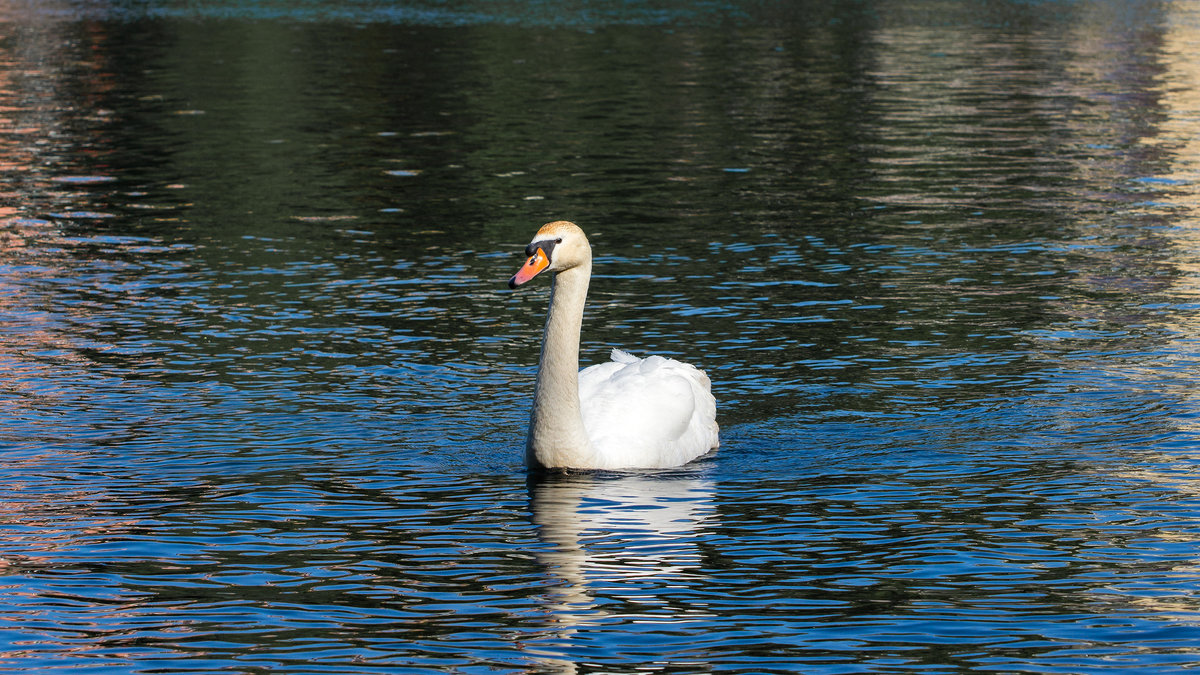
624	414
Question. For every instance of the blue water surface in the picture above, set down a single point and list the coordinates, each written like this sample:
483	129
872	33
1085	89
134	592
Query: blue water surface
265	388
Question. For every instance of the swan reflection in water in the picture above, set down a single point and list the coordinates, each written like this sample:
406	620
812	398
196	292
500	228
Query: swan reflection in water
613	542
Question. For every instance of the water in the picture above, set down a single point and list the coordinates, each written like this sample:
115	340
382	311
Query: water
265	389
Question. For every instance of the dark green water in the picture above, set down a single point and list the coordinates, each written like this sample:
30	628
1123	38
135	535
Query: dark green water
264	387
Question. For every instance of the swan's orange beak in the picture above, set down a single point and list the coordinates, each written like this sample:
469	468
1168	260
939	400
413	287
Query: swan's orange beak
532	267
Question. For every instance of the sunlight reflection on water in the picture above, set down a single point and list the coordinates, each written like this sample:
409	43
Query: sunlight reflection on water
265	391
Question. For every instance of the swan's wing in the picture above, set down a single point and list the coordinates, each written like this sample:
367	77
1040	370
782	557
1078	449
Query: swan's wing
621	356
650	412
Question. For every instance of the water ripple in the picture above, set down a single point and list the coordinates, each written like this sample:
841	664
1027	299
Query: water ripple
265	388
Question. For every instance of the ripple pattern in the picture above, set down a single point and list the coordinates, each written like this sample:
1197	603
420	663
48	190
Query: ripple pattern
264	390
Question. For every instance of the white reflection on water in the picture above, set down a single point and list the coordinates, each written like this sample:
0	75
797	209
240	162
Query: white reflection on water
1179	136
188	432
622	538
1175	311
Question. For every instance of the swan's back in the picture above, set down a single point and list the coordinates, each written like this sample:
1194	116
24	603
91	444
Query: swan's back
647	413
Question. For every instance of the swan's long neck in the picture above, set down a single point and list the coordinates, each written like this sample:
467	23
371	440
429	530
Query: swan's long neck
556	432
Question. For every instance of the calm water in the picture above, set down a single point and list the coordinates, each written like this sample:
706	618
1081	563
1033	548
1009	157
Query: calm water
265	389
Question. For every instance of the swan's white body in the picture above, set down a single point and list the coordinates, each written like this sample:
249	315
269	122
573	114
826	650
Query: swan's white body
628	413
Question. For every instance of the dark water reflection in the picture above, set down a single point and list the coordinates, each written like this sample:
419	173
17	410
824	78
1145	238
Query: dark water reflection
265	390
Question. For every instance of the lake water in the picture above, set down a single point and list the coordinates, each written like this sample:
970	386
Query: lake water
264	387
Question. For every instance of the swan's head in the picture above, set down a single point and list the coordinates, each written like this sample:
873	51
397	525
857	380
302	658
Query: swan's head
556	247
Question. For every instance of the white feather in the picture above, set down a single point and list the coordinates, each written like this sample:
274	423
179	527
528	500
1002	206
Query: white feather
651	412
628	413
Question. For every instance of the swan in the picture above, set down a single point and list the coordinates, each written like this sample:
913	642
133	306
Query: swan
628	413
